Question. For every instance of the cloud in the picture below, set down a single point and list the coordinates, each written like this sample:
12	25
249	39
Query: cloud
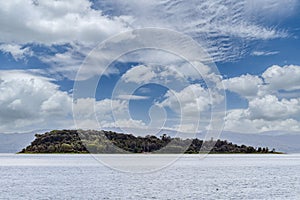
139	74
272	80
270	9
16	51
162	75
56	22
224	28
191	100
285	78
264	53
144	90
30	101
66	63
173	74
215	18
92	114
270	107
194	107
238	121
132	97
191	90
44	24
245	85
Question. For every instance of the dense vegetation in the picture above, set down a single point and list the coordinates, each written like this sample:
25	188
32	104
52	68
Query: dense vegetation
79	141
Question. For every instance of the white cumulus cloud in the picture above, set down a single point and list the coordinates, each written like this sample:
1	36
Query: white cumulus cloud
31	101
269	107
56	22
92	114
282	78
191	100
245	85
238	121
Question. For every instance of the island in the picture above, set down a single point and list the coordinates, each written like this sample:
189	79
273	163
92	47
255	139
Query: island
93	141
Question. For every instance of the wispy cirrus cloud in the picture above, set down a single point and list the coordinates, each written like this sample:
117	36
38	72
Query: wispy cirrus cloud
224	28
264	53
16	51
132	97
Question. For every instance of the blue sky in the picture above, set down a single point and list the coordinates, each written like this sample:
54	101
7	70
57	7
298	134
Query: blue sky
254	46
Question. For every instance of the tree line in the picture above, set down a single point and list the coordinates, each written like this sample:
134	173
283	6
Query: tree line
92	141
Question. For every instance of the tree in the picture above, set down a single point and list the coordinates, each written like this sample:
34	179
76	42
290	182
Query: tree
66	147
259	150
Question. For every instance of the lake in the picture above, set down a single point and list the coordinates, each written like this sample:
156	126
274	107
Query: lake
213	177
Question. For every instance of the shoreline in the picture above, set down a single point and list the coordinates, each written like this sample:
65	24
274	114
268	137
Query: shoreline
213	153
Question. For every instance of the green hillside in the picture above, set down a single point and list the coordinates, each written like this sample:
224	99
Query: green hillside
91	141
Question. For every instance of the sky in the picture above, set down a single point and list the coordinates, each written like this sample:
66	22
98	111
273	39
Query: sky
213	64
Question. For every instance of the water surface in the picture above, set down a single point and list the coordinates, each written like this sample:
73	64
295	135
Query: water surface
63	176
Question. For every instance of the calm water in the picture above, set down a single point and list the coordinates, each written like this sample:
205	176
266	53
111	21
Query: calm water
215	177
